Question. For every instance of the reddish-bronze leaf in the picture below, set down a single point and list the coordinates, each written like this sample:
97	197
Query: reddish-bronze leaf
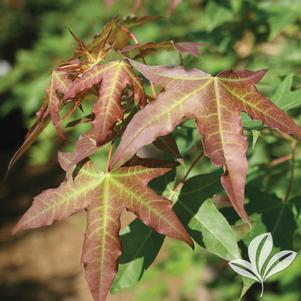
65	160
102	246
105	196
85	147
60	83
215	102
113	78
192	48
56	204
115	34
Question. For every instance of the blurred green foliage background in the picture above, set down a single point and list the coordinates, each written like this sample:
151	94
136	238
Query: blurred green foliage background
238	34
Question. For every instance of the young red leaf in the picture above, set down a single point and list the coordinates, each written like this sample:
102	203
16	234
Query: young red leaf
215	102
192	48
85	147
113	78
105	196
60	83
115	34
65	160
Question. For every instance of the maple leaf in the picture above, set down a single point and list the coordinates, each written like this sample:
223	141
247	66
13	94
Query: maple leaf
87	60
112	78
215	102
105	196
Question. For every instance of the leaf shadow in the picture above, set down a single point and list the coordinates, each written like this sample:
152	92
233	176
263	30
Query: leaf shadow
194	192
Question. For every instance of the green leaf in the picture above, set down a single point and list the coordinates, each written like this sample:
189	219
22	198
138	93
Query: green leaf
250	124
140	247
216	15
280	14
218	236
284	97
203	221
247	283
255	136
270	214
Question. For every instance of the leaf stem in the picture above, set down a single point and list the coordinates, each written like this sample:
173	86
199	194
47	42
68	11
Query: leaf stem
292	175
194	162
280	160
109	157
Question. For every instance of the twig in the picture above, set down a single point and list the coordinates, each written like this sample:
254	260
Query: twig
291	181
195	161
280	160
109	157
285	136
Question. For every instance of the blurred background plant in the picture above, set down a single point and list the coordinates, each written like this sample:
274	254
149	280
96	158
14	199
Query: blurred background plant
237	34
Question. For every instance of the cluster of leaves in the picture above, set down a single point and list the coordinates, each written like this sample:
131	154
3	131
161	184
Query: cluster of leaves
102	73
225	26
